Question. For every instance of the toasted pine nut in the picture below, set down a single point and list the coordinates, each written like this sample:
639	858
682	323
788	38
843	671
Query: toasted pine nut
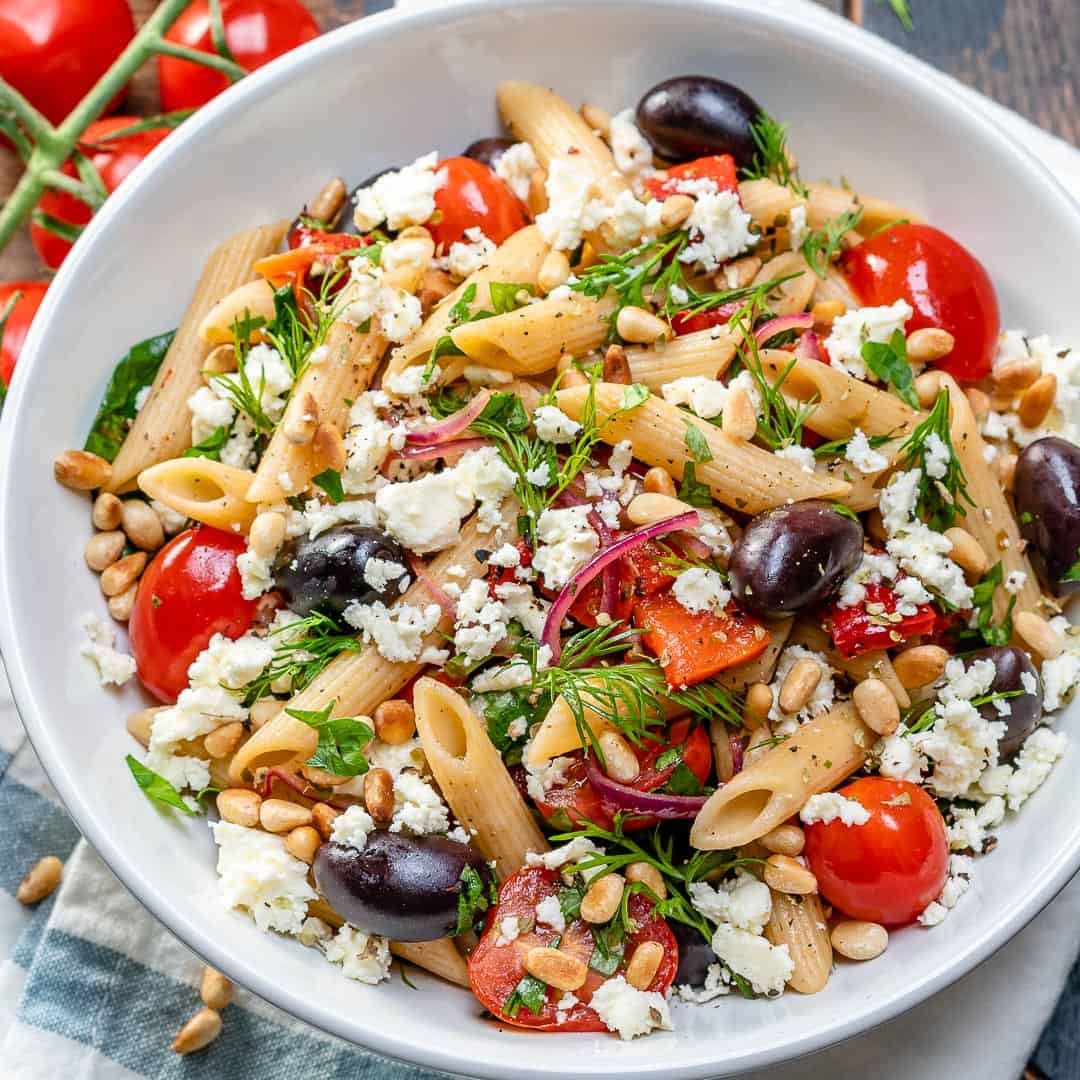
785	875
1039	635
979	400
617	366
239	806
650	507
142	525
264	711
302	843
644	964
759	701
875	527
742	273
1005	467
740	418
620	762
597	117
103	549
920	666
799	684
216	989
967	553
395	721
198	1033
106	512
139	723
322	817
1037	400
641	327
859	940
326	206
927	387
929	343
784	840
320	777
558	969
302	420
219	360
123	604
41	881
222	741
280	815
554	271
572	377
537	200
81	470
328	448
266	534
658	482
649	876
602	898
876	706
826	312
1014	375
122	574
379	794
437	285
676	209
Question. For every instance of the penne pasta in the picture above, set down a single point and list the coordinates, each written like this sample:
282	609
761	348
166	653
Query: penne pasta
834	286
280	742
799	923
202	490
766	200
759	670
791	296
255	300
707	353
826	203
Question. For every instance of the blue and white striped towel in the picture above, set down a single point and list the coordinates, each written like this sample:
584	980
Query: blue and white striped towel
93	988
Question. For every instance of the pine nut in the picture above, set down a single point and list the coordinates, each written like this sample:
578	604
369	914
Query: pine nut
979	400
302	843
122	574
597	117
650	507
320	777
649	876
859	940
142	525
81	470
198	1033
1039	635
785	875
799	685
676	209
785	840
219	361
239	806
267	534
1005	467
967	553
106	512
617	366
929	343
920	666
216	990
555	968
436	286
326	206
620	761
140	723
103	549
302	421
740	418
826	312
758	704
262	712
1012	376
280	815
1037	400
122	605
554	271
222	741
644	964
602	899
742	272
927	387
328	448
537	200
876	706
572	377
658	482
379	795
395	721
322	817
41	881
641	327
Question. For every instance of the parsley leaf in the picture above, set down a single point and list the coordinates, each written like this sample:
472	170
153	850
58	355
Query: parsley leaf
889	362
609	946
530	993
211	446
504	295
696	444
341	741
983	603
474	898
156	787
683	781
691	490
823	245
570	897
1073	573
330	481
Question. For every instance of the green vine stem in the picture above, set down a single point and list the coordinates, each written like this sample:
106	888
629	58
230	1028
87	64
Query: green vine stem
45	148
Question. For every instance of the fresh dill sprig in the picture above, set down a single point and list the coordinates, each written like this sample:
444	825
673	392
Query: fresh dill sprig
903	12
710	699
236	385
824	244
772	160
296	334
930	716
839	446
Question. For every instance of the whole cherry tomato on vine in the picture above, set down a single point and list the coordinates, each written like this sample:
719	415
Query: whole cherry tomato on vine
18	324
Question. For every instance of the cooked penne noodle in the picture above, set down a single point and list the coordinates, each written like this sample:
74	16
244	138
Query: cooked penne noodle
704	352
766	200
281	742
759	670
834	286
255	300
790	296
799	923
827	203
203	490
558	733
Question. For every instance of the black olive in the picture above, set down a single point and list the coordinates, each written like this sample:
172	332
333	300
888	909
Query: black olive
794	557
403	887
327	573
695	954
691	116
488	150
1047	493
347	222
1010	664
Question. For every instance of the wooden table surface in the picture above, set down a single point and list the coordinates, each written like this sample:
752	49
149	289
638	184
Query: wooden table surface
1023	53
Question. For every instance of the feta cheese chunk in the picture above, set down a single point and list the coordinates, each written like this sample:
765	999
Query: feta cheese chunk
742	901
572	210
629	1011
831	806
114	668
402	198
705	397
398	632
719	230
765	966
352	827
515	168
418	807
363	957
699	589
860	454
631	150
566	543
956	884
552	425
852	330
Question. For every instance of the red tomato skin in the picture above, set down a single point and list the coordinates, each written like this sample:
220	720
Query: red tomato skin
943	282
18	324
115	160
889	869
53	51
257	31
189	592
473	196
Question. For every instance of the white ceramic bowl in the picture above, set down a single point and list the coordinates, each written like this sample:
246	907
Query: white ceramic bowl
383	91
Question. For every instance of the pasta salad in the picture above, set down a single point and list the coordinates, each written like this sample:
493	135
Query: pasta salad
605	569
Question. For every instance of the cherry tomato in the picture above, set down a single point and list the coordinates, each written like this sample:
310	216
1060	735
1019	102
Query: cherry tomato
720	168
190	592
114	159
943	282
53	51
474	197
684	322
256	31
889	869
495	970
18	324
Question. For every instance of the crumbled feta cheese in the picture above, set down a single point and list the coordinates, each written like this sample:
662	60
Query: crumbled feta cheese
469	255
113	667
628	1011
578	850
820	701
970	827
398	633
742	901
540	779
418	807
1036	759
798	230
368	441
540	476
698	589
378	573
522	605
550	913
938	456
631	150
719	230
571	210
766	967
831	806
478	375
401	198
317	517
956	884
515	168
717	984
1061	674
705	397
393	312
364	957
566	543
171	521
564	1006
860	454
899	758
256	573
480	622
960	745
803	456
852	330
552	425
314	932
509	928
633	221
352	827
872	569
508	555
1014	583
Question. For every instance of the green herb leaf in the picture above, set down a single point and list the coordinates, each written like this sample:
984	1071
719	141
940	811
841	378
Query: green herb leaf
341	741
474	898
330	481
211	446
504	295
983	603
609	947
824	244
839	446
501	709
529	994
691	490
570	897
772	161
696	444
634	396
156	787
683	781
1073	573
889	363
903	13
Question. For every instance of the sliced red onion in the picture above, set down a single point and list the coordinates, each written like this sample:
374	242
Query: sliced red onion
803	321
301	787
738	753
609	576
808	347
632	801
419	571
623	546
430	453
453	425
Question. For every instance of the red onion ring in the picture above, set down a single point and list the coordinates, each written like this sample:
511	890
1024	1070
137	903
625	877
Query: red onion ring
738	753
453	425
808	347
609	576
419	571
803	321
301	787
430	453
631	800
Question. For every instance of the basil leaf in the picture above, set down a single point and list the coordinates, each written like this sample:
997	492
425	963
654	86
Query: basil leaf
341	741
634	395
211	446
529	994
1073	573
156	787
504	295
330	482
474	898
691	491
570	898
683	781
889	363
696	444
608	948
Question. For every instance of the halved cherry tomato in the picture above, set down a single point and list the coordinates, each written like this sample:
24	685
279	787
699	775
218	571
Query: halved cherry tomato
18	324
854	630
889	869
720	168
641	573
472	196
256	31
495	970
683	322
942	281
189	592
114	159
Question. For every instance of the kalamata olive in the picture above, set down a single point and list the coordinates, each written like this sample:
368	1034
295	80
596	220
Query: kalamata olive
347	221
328	573
695	954
691	116
403	887
1010	665
1047	493
794	557
489	150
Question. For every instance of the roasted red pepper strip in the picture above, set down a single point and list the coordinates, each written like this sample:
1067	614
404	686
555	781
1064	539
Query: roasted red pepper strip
720	168
856	630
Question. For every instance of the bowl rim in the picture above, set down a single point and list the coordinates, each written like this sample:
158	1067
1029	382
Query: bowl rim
833	35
